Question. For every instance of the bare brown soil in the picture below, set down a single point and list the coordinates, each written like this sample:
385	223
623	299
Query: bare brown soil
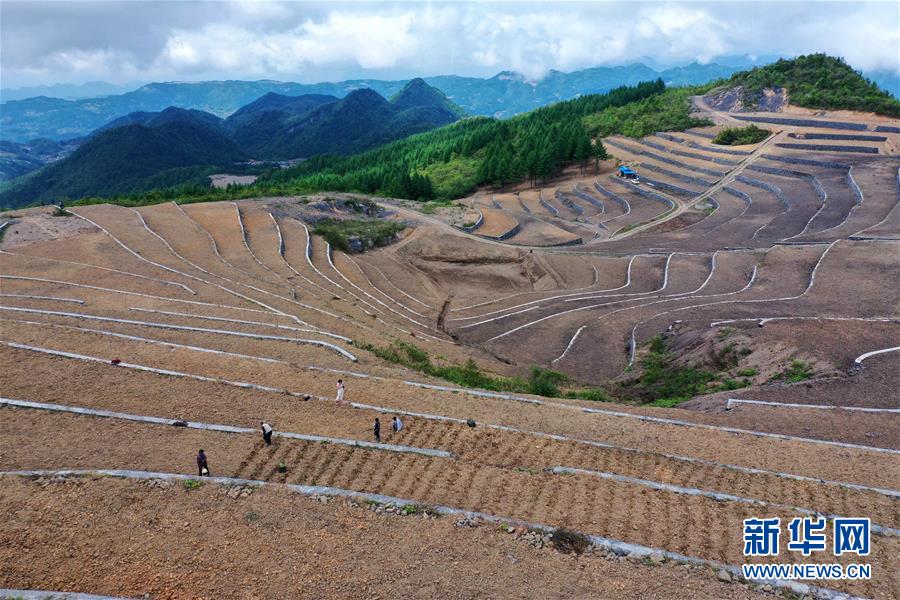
796	242
275	543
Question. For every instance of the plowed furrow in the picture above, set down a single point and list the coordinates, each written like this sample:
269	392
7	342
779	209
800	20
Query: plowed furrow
263	460
333	466
356	461
246	465
281	455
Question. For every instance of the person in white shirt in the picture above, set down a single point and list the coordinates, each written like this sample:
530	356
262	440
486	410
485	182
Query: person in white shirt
340	391
267	432
397	425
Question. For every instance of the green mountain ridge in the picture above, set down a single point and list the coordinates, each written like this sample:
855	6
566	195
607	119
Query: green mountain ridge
503	95
129	159
817	81
450	161
168	148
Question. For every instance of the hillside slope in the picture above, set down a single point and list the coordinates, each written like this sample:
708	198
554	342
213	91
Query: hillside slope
811	81
253	125
129	159
361	120
504	94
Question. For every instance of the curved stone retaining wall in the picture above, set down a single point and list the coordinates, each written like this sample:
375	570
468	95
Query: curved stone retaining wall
505	235
830	148
614	197
647	193
744	196
702	134
674	189
765	185
675	138
807	161
678	176
805	122
588	198
477	224
838	136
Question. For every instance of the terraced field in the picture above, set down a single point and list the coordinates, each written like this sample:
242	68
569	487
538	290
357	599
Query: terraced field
133	337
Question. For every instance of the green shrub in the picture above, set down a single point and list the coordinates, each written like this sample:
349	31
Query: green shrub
665	383
591	394
191	484
741	136
540	382
338	232
668	111
751	372
798	371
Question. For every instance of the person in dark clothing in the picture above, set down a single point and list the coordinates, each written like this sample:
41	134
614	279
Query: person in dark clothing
377	430
202	466
267	432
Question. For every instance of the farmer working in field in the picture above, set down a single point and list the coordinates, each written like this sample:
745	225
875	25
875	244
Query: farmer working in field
267	432
202	466
397	425
377	430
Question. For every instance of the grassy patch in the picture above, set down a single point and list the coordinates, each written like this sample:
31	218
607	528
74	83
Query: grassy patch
741	136
60	212
371	234
432	206
665	383
751	372
251	517
797	371
191	484
591	394
723	333
540	382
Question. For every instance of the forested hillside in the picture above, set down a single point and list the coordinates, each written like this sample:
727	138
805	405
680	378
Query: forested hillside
130	159
502	95
817	81
361	120
443	163
456	158
144	151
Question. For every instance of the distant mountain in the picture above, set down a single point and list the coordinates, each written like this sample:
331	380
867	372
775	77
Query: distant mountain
361	120
253	126
67	91
17	159
147	150
157	153
417	94
503	95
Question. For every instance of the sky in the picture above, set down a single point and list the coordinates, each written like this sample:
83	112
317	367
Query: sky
44	43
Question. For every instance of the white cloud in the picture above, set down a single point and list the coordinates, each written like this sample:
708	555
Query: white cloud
153	40
367	41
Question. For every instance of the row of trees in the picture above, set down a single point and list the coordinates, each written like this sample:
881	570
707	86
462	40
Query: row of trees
536	146
442	163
